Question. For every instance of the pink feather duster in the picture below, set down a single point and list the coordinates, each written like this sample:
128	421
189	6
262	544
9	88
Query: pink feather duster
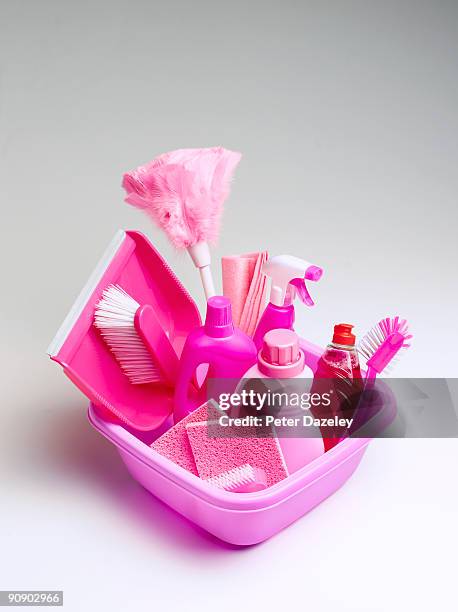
183	192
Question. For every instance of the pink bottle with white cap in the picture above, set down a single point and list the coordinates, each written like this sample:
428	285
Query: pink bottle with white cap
225	348
281	358
288	275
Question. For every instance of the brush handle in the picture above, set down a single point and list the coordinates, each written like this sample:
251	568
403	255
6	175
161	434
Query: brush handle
200	255
157	342
371	374
207	281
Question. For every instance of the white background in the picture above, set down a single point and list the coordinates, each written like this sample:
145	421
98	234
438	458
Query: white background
346	113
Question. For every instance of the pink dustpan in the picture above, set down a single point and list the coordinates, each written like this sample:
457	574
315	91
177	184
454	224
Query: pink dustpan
132	262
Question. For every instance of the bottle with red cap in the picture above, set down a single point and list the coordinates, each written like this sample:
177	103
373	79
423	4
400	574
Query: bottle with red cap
338	373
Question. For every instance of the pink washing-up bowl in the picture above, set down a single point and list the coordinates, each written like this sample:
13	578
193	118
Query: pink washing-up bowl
237	518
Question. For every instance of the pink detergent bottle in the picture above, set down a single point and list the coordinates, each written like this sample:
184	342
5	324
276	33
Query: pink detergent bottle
288	275
339	371
281	358
228	352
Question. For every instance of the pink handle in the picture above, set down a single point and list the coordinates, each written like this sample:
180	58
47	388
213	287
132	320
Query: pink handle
156	340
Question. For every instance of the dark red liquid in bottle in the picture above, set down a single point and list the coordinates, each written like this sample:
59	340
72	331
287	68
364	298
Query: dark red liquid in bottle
338	374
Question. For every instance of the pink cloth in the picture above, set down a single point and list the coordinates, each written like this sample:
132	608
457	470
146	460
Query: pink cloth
246	287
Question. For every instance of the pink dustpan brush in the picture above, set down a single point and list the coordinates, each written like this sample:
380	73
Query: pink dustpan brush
183	192
382	344
136	338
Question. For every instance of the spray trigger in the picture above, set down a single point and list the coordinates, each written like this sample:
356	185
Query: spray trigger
313	273
302	291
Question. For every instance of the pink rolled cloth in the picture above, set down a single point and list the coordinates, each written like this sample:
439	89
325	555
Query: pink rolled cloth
245	285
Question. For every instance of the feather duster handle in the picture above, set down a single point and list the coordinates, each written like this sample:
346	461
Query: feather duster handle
183	192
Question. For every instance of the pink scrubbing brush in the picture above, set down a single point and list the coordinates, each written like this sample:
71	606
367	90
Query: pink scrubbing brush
135	336
379	348
243	479
383	343
183	192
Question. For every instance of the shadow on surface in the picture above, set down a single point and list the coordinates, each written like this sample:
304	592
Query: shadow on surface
66	446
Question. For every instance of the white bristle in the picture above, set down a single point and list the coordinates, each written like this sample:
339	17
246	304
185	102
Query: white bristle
115	319
375	337
235	478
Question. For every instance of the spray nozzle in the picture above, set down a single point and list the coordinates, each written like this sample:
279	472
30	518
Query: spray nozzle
288	276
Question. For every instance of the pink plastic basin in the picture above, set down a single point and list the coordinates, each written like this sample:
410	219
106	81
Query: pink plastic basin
237	518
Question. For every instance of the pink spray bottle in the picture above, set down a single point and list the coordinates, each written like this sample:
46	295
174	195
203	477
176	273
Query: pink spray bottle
227	350
288	275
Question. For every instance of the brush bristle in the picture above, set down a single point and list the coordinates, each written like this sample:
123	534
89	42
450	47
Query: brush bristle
373	340
239	479
115	319
183	192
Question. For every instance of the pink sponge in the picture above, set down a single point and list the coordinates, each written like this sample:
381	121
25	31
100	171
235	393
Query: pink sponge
174	444
214	455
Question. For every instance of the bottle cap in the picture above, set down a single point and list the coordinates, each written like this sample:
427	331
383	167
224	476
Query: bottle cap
218	321
280	356
343	335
